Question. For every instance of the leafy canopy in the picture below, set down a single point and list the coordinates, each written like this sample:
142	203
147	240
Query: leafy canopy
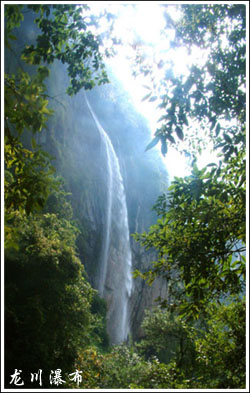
48	315
47	298
62	35
221	348
211	94
200	235
165	337
210	352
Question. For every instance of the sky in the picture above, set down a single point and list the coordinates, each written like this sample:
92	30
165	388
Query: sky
144	20
144	23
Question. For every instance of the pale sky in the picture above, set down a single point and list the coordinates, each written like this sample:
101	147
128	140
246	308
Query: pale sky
145	22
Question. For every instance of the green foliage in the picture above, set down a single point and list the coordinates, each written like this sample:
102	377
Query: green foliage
221	351
214	90
91	363
28	179
48	315
47	298
158	375
206	355
53	318
209	354
26	100
64	36
99	333
58	202
200	235
165	336
123	368
14	17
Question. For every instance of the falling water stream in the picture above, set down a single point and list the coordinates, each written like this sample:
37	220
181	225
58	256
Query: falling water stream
115	261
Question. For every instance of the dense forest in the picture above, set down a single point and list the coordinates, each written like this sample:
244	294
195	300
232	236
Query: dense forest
55	317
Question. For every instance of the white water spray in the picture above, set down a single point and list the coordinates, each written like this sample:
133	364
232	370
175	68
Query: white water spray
115	261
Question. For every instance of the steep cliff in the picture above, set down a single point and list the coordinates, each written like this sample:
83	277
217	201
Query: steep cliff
80	157
74	139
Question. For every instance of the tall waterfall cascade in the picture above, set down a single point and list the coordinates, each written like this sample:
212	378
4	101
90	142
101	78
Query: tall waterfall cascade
115	278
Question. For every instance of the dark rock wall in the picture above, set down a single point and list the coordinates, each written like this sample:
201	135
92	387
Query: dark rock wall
74	139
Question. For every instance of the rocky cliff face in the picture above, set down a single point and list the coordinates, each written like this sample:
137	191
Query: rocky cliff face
74	139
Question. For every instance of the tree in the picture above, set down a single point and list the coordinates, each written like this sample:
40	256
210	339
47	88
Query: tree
123	368
64	36
47	298
200	236
209	354
165	337
204	101
221	349
201	232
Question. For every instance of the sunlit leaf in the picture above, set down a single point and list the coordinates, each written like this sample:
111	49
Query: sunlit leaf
179	133
217	130
170	138
164	147
33	143
146	97
227	138
153	143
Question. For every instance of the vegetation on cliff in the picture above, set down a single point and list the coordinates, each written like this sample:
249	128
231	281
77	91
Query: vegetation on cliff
54	319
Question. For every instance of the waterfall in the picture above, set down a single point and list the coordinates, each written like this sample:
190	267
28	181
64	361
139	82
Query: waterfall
115	279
